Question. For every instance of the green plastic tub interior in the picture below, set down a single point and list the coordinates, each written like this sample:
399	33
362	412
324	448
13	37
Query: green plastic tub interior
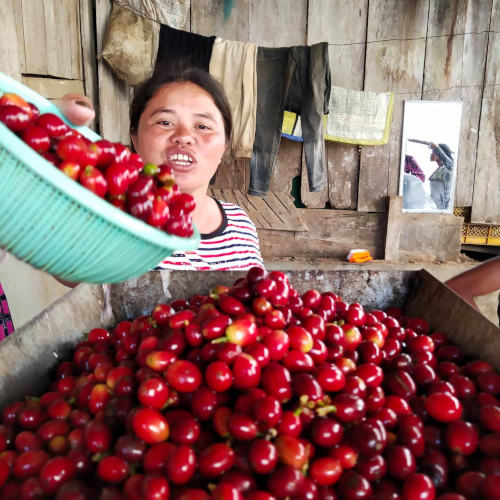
55	224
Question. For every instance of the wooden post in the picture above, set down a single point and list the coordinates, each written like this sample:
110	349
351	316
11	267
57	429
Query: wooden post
394	223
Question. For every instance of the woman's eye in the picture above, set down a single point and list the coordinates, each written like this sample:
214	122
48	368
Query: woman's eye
164	122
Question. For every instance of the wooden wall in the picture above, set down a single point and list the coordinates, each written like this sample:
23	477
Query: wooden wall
418	49
49	45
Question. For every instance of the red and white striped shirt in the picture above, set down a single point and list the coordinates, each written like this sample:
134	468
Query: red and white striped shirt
233	246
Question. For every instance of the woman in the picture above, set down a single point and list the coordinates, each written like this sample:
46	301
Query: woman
181	117
442	178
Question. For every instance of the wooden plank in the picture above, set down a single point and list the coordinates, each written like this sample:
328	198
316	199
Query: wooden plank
394	62
241	174
486	200
76	40
454	69
232	175
343	173
346	57
114	95
310	199
342	225
283	206
208	18
35	40
394	223
258	217
89	61
448	17
287	165
396	66
430	237
18	15
224	195
379	165
277	23
397	20
469	330
275	211
225	175
57	38
332	233
264	31
261	206
350	22
53	88
9	55
187	24
347	64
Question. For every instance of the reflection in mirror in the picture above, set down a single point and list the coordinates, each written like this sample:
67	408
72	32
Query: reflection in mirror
429	151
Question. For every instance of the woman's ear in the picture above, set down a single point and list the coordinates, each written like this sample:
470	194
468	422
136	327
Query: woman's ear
133	137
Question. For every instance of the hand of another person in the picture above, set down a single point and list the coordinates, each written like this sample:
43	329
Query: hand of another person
77	108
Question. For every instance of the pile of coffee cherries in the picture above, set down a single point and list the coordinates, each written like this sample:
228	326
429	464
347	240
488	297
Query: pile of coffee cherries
109	170
256	392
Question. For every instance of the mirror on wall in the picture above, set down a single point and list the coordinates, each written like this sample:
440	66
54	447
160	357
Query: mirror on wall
429	152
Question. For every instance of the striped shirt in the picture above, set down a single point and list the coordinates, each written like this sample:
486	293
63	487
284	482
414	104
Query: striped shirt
233	246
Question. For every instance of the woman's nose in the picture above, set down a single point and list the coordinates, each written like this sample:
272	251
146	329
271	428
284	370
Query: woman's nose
182	135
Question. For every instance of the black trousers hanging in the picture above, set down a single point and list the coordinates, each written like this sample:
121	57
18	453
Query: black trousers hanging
297	79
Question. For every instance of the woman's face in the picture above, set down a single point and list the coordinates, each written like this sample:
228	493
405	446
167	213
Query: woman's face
436	159
182	127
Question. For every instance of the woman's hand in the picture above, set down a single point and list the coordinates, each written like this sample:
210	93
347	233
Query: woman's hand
77	108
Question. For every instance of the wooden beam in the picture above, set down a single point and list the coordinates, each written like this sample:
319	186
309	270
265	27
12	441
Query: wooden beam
89	59
394	62
347	49
455	58
35	40
276	211
486	199
10	60
53	88
332	233
114	95
208	18
393	232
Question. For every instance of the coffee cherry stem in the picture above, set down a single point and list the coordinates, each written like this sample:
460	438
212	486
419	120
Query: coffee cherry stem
220	340
325	410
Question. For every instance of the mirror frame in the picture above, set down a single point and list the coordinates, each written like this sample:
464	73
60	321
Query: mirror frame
404	138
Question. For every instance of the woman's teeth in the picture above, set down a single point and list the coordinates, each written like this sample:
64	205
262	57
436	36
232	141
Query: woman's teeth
183	160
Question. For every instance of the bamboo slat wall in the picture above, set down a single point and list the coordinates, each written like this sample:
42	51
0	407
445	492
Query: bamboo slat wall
418	49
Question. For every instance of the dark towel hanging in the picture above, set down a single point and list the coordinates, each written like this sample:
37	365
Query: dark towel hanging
177	44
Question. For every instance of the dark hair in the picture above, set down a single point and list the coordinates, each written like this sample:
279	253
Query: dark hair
181	71
447	151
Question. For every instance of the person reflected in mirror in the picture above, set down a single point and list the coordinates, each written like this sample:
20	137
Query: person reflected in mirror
441	179
415	196
412	167
482	279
